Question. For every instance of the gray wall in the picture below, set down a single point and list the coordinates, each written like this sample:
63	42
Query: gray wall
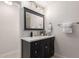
9	30
66	45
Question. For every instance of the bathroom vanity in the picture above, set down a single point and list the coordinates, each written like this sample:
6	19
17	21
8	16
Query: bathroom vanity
37	47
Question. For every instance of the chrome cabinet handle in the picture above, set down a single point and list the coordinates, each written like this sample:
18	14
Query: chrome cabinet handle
35	43
35	51
46	46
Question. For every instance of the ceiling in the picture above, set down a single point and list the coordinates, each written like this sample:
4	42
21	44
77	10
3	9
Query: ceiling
44	3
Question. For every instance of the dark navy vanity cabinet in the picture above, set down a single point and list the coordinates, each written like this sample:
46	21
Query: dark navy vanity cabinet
43	48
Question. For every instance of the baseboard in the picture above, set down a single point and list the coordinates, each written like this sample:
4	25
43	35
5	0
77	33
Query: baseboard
59	55
16	54
11	54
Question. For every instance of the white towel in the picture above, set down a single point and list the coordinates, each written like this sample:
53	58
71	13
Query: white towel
67	27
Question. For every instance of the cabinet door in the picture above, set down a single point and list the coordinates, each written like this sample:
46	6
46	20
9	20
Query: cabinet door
36	51
25	49
51	47
45	46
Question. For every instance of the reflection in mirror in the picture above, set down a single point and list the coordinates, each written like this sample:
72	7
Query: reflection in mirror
33	21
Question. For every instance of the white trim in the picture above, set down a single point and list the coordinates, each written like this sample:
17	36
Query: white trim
59	55
11	54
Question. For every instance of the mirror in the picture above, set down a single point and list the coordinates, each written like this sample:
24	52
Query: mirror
33	20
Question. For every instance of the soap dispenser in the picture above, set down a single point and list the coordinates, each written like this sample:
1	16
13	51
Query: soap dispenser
31	34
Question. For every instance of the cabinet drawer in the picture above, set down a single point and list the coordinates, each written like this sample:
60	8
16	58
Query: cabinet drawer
36	53
36	44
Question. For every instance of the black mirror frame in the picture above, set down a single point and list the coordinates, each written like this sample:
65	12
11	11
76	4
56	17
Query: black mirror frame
33	12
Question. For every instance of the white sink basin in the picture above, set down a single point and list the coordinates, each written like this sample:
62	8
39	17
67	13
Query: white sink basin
35	38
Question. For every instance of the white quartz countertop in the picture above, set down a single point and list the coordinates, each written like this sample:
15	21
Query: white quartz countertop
36	38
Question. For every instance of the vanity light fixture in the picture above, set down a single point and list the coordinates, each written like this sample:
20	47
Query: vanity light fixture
8	2
36	5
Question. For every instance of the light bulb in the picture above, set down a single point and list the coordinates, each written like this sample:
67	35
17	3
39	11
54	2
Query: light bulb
8	2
